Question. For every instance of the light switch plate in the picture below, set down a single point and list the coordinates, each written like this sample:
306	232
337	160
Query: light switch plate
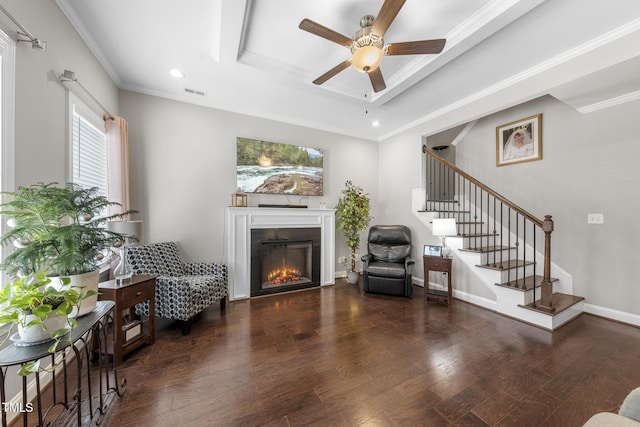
595	218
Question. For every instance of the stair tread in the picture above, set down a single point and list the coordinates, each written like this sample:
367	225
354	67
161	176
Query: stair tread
442	201
528	282
486	249
444	210
559	301
476	235
505	265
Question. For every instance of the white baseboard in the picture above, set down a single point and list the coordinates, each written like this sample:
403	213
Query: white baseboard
610	313
476	300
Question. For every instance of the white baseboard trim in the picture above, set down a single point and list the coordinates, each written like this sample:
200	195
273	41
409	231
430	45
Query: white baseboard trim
476	300
610	313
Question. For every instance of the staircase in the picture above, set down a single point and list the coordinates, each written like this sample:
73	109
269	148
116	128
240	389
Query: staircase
500	246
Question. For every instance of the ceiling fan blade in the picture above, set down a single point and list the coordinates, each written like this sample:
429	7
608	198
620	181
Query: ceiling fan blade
385	17
416	48
332	72
324	32
377	81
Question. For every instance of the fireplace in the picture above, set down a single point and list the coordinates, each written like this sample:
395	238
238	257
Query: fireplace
284	259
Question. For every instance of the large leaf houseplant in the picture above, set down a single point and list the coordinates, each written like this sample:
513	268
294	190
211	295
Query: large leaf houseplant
352	217
39	312
60	229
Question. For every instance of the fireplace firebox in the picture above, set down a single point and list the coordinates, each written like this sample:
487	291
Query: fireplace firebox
284	259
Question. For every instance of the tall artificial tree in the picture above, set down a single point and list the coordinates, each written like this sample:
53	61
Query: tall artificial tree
353	216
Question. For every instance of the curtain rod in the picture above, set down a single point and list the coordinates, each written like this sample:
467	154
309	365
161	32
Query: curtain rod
70	76
36	43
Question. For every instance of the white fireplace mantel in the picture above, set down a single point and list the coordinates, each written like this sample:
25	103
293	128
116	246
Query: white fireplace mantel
240	221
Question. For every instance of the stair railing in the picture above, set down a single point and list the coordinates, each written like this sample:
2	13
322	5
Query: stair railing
494	225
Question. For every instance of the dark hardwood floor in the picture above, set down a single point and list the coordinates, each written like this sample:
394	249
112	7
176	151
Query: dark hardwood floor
337	357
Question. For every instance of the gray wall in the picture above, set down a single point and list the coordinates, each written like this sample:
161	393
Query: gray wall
589	165
40	113
183	160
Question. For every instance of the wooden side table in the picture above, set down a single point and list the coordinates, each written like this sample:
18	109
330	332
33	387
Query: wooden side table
130	332
436	263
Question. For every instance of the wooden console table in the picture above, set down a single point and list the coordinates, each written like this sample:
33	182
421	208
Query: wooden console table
130	332
88	402
436	263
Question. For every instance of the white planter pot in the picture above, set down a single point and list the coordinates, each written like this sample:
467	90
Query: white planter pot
36	333
352	277
86	281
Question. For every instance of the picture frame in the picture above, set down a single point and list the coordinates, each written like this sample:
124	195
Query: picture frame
431	250
519	141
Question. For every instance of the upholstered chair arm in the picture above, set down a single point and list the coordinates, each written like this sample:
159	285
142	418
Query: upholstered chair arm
630	408
408	264
205	268
367	258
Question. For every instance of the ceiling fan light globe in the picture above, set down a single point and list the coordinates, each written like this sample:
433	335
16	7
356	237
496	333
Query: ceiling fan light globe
366	58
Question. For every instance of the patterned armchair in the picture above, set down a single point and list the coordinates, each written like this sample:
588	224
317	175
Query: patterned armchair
183	289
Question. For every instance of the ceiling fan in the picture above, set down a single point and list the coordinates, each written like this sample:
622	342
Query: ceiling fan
367	46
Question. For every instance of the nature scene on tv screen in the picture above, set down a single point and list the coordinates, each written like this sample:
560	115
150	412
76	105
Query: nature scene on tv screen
274	168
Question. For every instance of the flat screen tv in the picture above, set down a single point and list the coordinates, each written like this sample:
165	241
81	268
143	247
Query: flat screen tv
274	168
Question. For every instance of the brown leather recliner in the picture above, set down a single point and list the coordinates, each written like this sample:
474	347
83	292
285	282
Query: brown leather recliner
388	265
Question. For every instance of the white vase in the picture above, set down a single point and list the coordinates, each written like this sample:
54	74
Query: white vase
86	281
123	270
36	333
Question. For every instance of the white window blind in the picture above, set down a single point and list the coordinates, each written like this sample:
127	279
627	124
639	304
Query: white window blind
88	148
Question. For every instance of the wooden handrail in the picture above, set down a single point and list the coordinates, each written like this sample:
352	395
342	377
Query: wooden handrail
498	196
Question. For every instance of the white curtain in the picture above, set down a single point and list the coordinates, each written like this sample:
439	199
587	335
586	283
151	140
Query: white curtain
117	131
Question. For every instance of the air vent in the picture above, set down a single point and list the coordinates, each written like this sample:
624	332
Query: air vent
195	92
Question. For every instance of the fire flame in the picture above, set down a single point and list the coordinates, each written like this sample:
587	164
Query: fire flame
284	275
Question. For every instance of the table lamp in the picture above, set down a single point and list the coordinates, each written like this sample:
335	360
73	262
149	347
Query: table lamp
443	227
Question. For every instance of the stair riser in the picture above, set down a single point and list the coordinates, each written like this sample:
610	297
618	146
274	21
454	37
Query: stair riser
513	297
474	228
503	276
510	275
479	242
495	257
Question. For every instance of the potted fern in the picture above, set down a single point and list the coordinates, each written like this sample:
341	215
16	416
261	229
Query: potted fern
61	230
352	217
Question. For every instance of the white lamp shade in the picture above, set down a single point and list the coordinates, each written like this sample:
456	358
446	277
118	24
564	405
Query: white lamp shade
128	228
444	227
366	58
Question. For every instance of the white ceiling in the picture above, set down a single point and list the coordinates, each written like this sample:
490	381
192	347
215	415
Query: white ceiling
249	56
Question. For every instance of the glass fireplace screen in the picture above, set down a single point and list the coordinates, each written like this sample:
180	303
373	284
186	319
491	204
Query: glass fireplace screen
286	264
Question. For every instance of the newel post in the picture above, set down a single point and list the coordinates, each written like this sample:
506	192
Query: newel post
546	287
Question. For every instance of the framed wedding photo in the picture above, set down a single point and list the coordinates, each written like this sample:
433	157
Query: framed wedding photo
430	250
519	141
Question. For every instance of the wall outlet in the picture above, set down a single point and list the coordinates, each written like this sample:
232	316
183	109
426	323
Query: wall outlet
595	218
342	260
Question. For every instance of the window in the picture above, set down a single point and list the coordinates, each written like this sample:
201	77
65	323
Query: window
7	89
88	147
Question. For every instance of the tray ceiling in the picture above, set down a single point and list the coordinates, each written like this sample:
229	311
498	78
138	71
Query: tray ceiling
250	56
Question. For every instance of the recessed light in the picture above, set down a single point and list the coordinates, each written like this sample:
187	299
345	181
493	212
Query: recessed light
375	123
176	73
